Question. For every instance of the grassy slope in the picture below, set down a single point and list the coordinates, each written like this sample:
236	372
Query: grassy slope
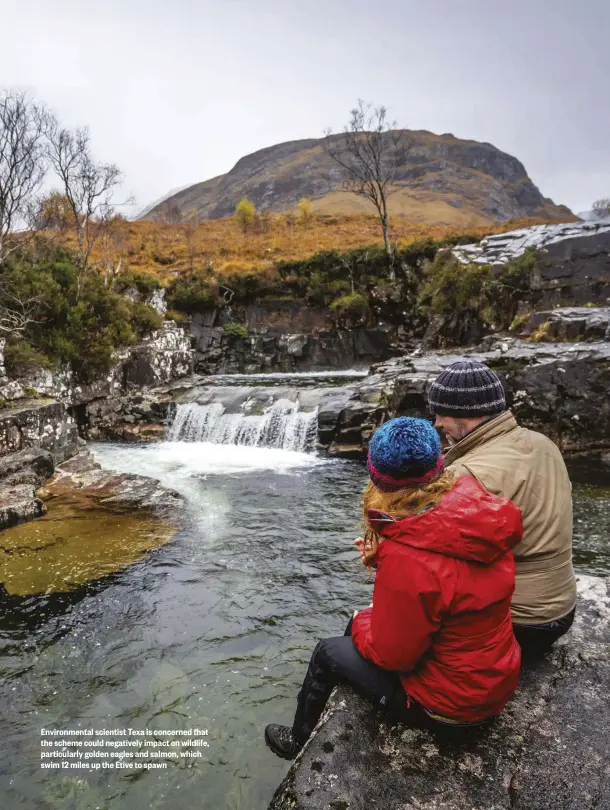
162	249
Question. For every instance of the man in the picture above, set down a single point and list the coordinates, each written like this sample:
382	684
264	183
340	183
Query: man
468	402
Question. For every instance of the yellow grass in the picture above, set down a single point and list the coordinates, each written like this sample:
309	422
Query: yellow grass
164	250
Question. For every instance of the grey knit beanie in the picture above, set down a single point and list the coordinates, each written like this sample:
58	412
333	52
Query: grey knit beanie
466	389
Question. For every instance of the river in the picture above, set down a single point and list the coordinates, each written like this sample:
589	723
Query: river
212	630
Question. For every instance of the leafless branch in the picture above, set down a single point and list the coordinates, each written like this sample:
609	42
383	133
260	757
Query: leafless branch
17	312
24	126
370	153
88	186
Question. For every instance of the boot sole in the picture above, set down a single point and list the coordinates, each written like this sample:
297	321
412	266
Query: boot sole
278	751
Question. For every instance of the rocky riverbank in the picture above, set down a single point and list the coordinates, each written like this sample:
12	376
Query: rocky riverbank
559	389
548	749
44	414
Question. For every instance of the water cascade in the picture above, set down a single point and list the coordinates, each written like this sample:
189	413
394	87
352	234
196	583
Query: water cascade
281	425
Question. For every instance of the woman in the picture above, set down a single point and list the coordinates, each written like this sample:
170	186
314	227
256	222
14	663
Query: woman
436	646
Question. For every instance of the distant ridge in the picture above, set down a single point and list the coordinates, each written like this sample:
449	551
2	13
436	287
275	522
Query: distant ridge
445	180
143	214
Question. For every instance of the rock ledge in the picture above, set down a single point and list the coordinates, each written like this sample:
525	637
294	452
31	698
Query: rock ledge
548	750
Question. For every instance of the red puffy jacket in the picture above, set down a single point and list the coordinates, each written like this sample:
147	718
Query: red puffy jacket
441	604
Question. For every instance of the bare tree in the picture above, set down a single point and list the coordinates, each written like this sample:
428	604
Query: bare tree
88	186
601	208
18	311
113	244
189	232
370	153
23	165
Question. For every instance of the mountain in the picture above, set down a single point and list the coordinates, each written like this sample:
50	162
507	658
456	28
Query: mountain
444	180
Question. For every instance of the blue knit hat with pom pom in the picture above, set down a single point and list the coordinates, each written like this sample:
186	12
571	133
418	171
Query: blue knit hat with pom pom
404	452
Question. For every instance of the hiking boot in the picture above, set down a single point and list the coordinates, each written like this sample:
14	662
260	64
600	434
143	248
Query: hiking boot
281	741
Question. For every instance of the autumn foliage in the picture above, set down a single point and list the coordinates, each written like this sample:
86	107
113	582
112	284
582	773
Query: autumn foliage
162	250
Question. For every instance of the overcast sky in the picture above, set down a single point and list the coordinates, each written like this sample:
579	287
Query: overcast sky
176	91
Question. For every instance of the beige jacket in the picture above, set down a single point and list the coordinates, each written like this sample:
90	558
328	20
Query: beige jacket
528	468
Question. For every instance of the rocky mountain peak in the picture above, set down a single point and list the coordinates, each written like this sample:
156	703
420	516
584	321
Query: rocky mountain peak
444	180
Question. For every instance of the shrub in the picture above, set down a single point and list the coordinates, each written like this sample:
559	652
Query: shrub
145	283
305	209
54	212
144	318
452	287
163	260
238	330
541	333
245	212
177	317
79	321
351	309
251	285
518	321
476	296
21	357
192	292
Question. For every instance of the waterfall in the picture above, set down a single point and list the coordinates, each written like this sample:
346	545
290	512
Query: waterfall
281	425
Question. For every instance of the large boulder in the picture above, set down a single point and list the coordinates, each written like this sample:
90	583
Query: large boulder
38	423
164	356
500	248
549	749
568	324
21	474
573	267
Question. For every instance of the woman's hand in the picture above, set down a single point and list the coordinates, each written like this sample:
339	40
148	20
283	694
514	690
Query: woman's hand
368	556
360	544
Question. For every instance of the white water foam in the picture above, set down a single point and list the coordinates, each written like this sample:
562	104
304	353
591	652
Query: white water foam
281	425
178	464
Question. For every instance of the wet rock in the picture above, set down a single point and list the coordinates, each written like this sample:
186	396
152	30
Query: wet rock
19	504
33	460
21	474
272	351
505	247
40	423
113	489
164	356
157	301
557	389
548	749
134	416
11	390
568	323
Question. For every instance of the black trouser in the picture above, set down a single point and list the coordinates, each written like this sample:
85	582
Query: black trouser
336	660
538	638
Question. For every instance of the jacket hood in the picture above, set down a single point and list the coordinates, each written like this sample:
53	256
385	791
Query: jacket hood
469	523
